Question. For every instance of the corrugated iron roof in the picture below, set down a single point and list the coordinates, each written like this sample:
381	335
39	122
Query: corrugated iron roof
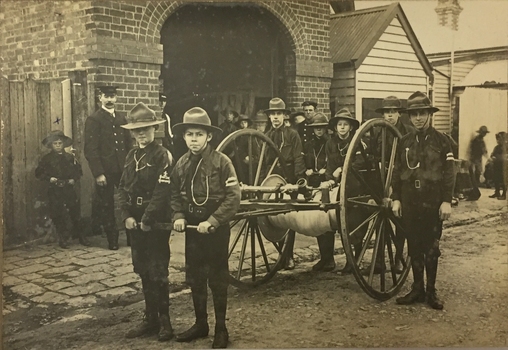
354	34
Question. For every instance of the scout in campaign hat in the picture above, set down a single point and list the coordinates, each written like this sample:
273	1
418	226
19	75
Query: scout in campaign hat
196	117
419	101
54	136
320	121
140	117
107	89
390	102
343	114
297	117
243	118
277	104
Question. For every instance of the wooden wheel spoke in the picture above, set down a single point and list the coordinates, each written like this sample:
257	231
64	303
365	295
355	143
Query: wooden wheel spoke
262	248
397	222
389	171
368	237
249	152
278	246
366	221
237	238
376	250
390	237
242	253
260	164
253	252
383	154
365	185
361	203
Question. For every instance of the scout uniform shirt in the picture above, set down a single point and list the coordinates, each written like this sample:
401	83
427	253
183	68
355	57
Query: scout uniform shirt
145	184
290	146
423	170
210	191
315	158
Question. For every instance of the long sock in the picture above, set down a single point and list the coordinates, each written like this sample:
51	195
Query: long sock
417	265
431	263
220	303
163	298
199	296
326	244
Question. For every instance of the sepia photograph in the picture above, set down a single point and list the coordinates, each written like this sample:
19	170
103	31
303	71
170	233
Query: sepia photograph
290	174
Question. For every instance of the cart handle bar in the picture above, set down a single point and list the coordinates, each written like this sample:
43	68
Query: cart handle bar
169	227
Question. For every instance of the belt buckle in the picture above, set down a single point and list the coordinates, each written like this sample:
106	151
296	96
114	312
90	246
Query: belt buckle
139	200
417	184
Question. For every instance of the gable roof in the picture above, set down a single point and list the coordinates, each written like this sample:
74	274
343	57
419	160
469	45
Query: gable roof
354	34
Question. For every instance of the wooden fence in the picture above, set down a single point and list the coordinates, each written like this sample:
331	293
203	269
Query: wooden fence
30	110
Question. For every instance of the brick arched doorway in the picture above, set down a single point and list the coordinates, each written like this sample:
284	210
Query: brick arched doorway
219	57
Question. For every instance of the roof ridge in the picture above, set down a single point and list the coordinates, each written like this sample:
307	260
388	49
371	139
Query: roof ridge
361	12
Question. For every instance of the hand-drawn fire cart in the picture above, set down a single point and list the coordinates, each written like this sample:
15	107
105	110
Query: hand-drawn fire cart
360	209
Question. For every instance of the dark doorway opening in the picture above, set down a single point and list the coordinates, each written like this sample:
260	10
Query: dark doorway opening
219	56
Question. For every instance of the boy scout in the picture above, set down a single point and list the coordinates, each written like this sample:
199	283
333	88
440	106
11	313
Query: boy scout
204	192
106	146
423	181
143	195
315	161
288	142
61	170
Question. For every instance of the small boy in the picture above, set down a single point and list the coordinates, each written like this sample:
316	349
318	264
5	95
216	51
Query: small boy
61	170
344	126
204	192
315	161
143	196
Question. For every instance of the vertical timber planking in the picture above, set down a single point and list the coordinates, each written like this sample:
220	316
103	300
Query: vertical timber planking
7	191
32	150
55	88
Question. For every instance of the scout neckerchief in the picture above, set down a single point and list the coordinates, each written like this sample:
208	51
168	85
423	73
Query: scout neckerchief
316	156
195	161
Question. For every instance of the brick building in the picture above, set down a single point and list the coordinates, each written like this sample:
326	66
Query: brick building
215	55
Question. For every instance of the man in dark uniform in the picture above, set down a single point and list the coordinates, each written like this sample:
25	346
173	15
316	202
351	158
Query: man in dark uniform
423	181
167	141
290	146
106	146
305	132
204	192
144	199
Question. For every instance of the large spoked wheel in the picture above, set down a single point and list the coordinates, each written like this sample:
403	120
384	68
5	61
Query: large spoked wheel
257	249
373	238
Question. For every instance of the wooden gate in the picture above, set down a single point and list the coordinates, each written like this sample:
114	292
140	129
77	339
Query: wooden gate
31	109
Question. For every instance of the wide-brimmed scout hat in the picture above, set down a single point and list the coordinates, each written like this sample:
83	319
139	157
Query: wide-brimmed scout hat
260	117
319	121
141	116
227	111
390	102
309	103
297	117
483	130
277	104
56	135
107	89
196	117
343	114
244	117
419	101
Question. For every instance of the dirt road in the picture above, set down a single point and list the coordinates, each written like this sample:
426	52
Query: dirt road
301	309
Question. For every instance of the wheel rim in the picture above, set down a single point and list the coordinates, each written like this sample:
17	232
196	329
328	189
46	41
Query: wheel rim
257	249
365	211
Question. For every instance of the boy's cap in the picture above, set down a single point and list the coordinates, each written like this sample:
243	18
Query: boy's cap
483	130
227	111
56	135
277	104
260	117
419	101
343	114
390	102
196	117
141	116
309	103
107	89
320	120
244	117
297	117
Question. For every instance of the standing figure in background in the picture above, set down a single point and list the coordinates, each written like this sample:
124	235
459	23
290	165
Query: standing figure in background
167	140
499	159
315	162
289	145
144	200
61	170
106	146
423	181
305	132
260	121
478	150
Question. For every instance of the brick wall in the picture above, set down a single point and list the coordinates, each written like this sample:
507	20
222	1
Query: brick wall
119	42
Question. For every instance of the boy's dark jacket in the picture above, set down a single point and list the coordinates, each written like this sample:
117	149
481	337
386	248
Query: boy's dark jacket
218	172
62	166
